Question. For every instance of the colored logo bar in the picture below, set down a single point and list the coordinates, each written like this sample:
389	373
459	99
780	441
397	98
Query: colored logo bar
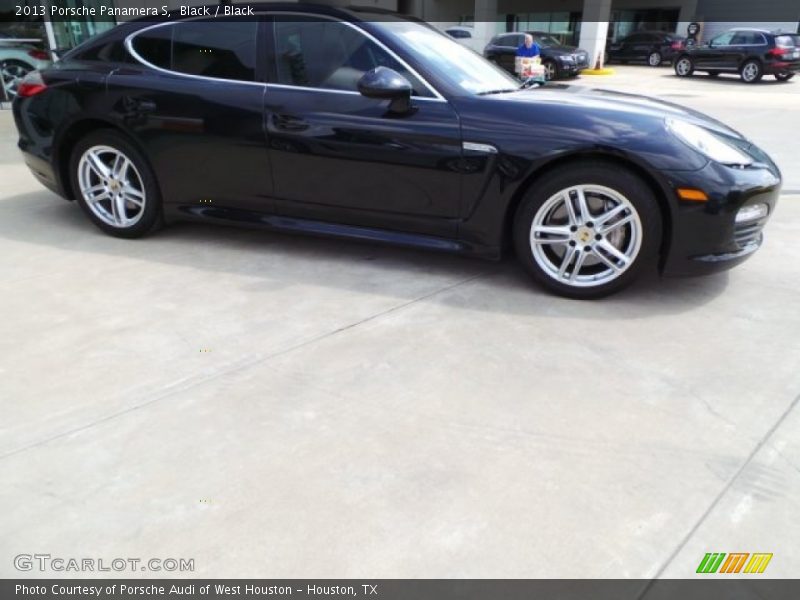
716	562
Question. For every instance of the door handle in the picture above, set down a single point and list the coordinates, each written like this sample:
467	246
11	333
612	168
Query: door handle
289	123
138	106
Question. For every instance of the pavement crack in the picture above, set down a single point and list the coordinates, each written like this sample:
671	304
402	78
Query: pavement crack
761	443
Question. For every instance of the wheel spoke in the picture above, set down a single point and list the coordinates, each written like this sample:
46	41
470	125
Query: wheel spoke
98	166
95	191
561	231
616	224
578	264
609	248
118	206
573	219
133	196
586	216
605	217
100	198
567	260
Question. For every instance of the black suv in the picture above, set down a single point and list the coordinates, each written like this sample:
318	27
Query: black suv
558	60
752	53
654	47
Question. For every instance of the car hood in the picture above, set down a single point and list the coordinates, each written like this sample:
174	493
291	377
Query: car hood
560	50
581	97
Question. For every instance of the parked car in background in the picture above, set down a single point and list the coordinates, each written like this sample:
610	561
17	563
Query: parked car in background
463	35
558	60
653	47
17	59
752	53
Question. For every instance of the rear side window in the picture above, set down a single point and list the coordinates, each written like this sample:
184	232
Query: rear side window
748	38
787	41
221	49
155	46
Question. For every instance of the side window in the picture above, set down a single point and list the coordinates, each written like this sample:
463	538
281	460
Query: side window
326	54
224	49
723	39
155	46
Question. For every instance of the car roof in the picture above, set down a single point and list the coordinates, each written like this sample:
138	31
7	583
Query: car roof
755	29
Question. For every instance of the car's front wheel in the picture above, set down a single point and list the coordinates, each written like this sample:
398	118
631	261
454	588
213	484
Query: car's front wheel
550	70
752	71
589	230
115	185
654	59
784	76
684	67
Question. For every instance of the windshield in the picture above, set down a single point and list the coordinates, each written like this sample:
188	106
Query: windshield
546	40
447	59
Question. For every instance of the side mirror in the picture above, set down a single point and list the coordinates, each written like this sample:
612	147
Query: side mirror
386	84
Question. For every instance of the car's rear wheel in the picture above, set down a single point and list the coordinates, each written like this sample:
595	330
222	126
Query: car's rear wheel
654	59
589	230
13	72
684	67
751	71
115	186
784	76
550	70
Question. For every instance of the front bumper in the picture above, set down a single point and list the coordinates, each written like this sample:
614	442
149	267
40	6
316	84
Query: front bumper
705	236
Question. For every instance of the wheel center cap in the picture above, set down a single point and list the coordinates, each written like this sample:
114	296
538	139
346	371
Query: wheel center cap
583	235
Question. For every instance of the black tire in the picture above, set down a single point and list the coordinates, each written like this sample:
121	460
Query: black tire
152	216
654	59
784	76
684	66
752	71
550	70
598	173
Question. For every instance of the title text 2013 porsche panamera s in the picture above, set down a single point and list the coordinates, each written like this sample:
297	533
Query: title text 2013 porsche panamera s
364	124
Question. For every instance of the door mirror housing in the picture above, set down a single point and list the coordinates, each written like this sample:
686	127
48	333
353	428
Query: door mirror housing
384	83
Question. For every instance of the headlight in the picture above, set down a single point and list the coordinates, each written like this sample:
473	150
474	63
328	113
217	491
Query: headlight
568	58
707	143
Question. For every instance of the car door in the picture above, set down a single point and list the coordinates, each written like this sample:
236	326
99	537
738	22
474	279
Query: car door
508	50
639	46
715	54
340	156
193	98
744	44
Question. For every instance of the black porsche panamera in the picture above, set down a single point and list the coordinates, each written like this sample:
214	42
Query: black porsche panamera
364	124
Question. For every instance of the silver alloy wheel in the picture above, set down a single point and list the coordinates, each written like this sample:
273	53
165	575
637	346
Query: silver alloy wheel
111	186
750	72
654	59
684	67
586	235
549	70
12	75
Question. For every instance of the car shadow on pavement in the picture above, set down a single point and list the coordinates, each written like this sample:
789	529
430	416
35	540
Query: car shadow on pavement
730	79
43	219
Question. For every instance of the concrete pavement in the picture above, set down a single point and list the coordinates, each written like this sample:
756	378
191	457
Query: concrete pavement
278	406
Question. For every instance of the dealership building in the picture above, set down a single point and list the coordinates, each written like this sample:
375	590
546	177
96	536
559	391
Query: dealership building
588	23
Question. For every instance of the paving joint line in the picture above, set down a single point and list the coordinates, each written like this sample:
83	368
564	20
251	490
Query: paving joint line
189	382
767	435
